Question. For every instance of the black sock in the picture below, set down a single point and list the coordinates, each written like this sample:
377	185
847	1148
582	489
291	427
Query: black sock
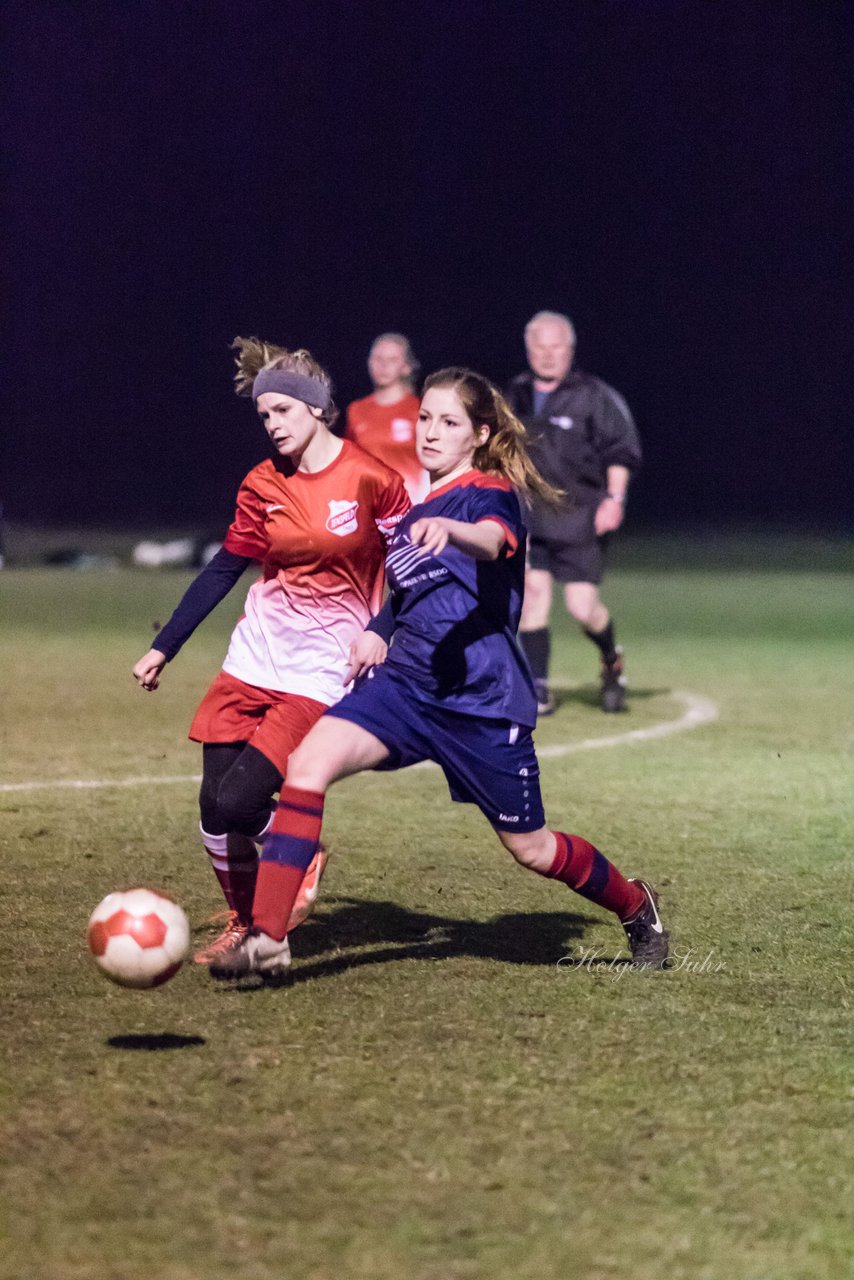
604	641
536	646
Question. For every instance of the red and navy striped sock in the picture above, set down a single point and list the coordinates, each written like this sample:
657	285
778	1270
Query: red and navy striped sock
580	865
242	873
234	859
287	851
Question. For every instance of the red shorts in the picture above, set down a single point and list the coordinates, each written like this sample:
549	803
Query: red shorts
272	721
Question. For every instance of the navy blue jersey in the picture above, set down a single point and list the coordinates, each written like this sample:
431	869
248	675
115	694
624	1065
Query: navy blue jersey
456	618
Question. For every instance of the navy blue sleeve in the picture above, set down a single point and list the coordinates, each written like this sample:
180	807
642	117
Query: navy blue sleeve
500	505
383	623
203	594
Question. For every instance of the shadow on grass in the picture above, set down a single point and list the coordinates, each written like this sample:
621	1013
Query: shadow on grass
588	696
332	942
154	1043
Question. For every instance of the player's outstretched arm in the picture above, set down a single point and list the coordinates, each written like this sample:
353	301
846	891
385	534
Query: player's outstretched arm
203	594
481	541
146	672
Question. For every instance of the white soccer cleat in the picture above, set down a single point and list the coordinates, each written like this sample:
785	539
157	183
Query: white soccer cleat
256	952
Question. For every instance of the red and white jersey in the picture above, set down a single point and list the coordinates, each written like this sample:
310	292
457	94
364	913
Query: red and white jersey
322	540
388	432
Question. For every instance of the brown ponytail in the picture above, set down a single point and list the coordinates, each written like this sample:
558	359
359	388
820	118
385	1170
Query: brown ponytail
505	453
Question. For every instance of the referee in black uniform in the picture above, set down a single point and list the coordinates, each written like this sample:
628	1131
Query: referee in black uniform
583	440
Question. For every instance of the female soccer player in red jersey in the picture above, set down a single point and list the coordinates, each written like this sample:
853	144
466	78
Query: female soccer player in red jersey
454	687
318	516
384	422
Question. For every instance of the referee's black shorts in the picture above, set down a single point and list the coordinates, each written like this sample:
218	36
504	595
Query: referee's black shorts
568	562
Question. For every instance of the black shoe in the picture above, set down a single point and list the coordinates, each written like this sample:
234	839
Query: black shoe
647	936
612	689
546	702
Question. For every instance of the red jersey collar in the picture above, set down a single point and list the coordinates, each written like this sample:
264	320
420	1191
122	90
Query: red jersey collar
471	477
281	465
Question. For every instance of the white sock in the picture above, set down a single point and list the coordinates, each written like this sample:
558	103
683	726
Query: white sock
216	847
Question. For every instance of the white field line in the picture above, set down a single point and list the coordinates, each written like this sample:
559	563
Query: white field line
698	711
94	784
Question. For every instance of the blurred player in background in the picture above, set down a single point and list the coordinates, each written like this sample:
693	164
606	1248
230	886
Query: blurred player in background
454	687
384	422
583	440
317	516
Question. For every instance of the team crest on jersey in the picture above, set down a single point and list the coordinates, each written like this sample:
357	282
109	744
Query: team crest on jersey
401	430
342	517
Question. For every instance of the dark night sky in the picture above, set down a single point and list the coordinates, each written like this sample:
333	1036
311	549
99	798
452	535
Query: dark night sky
675	175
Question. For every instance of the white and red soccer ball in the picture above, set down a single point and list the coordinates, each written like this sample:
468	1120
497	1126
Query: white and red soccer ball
139	938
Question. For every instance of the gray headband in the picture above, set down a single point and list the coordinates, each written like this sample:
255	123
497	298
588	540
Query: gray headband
299	385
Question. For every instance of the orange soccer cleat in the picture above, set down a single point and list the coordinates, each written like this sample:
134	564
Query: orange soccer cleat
307	896
234	932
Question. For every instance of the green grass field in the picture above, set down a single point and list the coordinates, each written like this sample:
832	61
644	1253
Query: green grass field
437	1096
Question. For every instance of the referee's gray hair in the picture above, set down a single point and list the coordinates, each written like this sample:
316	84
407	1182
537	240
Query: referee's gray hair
549	315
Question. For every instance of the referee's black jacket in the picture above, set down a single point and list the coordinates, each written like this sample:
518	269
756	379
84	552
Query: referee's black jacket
583	428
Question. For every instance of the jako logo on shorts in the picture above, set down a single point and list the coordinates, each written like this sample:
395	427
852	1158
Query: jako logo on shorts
342	517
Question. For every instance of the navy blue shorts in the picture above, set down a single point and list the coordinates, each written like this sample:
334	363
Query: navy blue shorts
490	763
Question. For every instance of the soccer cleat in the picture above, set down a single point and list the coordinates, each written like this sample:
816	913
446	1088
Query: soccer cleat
546	702
612	688
235	931
255	952
647	936
307	896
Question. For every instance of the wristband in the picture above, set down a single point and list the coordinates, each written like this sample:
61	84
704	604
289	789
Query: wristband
617	497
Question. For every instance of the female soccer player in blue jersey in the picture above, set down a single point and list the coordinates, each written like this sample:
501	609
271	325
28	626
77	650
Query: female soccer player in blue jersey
454	687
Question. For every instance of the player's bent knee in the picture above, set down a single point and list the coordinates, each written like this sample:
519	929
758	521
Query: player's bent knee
335	748
241	809
307	768
315	763
209	809
535	615
536	604
585	606
580	611
532	849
